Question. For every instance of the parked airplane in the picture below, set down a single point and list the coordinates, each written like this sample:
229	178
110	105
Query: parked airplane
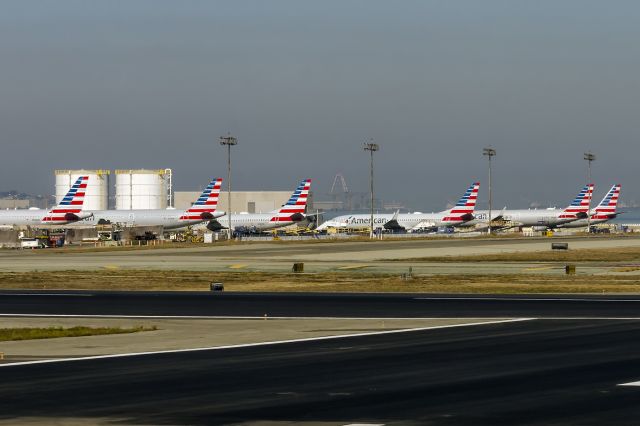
291	212
204	209
546	218
603	212
462	212
68	210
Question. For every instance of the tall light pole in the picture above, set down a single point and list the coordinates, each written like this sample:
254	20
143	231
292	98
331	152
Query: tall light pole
489	152
589	157
229	141
371	147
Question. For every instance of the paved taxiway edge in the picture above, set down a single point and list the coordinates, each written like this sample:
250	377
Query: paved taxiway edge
268	343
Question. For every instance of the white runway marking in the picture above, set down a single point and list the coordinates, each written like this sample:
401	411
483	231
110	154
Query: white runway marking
630	384
262	317
250	345
591	318
365	424
528	299
258	317
47	294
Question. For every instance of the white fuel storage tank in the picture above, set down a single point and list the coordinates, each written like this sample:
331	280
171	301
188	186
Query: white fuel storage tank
142	189
97	193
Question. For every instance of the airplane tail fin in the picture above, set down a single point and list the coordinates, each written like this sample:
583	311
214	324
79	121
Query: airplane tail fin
464	208
579	207
607	207
69	209
294	209
206	203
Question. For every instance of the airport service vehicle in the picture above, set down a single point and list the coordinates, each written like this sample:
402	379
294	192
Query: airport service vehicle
537	218
31	243
204	209
69	210
603	212
462	212
293	211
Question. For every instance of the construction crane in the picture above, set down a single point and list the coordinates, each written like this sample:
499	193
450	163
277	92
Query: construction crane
339	180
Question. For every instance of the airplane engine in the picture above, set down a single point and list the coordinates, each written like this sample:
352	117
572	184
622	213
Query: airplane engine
73	217
297	217
214	226
467	217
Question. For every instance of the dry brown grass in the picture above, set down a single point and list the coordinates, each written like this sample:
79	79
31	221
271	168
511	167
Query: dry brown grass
324	282
628	254
9	334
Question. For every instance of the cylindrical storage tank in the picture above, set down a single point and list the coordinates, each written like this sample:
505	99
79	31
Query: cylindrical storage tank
141	189
97	193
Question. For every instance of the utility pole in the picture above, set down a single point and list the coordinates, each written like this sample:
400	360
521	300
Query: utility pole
589	157
489	152
371	147
229	141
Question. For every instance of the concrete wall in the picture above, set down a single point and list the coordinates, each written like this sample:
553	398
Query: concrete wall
9	238
10	203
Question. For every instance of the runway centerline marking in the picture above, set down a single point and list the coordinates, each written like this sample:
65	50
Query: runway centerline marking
273	343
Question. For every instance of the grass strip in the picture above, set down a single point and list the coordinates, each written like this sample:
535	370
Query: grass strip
10	334
623	254
347	282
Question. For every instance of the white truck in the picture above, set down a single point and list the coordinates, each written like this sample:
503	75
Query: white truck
30	243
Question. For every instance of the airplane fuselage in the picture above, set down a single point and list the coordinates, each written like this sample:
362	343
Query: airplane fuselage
407	221
523	217
22	217
583	223
255	221
168	219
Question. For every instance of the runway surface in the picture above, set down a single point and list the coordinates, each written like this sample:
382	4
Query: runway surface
316	305
541	372
565	365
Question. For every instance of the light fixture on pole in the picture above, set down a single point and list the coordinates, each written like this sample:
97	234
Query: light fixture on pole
489	152
589	157
229	141
371	147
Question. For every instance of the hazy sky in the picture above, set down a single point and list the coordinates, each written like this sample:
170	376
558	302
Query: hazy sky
302	85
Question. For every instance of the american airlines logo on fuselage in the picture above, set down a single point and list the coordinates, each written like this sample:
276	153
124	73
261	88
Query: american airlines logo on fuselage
351	220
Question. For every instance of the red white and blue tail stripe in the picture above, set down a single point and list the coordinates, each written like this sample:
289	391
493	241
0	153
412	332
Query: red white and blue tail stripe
464	208
295	208
607	207
206	204
579	207
70	207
